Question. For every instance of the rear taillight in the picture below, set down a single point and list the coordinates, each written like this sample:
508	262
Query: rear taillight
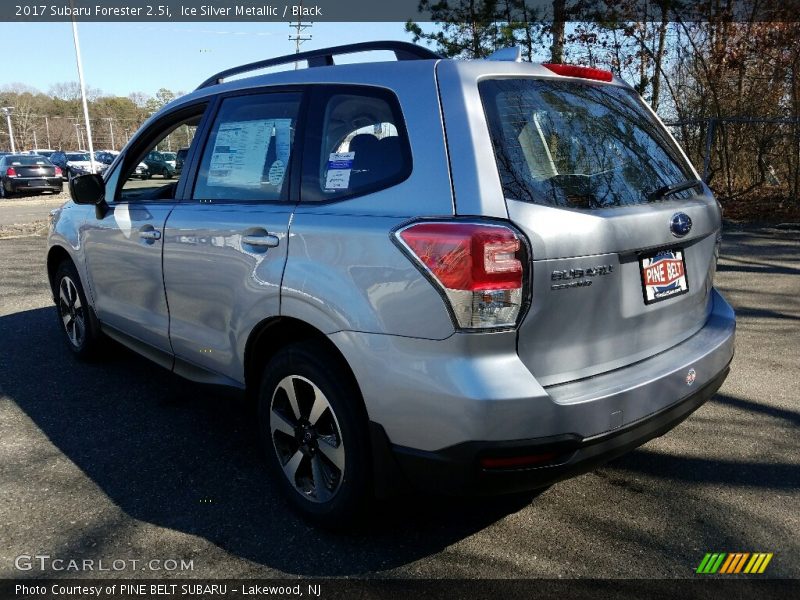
582	72
479	267
11	172
58	171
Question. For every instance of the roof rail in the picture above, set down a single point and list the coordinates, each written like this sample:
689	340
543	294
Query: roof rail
324	57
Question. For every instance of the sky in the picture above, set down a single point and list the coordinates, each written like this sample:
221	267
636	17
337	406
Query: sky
121	58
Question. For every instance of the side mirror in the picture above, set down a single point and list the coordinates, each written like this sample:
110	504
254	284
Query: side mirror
90	189
87	189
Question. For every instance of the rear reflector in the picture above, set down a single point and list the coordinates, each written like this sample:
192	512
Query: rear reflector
582	72
516	462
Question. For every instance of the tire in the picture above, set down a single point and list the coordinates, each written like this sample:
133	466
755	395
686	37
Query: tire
316	446
75	317
166	173
4	193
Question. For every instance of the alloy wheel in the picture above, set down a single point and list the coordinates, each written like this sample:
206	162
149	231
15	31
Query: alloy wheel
307	438
71	311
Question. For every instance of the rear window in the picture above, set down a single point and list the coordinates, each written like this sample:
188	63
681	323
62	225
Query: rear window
28	161
578	145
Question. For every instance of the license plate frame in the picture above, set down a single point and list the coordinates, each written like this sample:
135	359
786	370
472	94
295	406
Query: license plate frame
663	275
37	183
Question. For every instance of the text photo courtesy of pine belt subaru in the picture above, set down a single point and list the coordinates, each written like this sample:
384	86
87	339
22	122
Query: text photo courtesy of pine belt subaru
467	277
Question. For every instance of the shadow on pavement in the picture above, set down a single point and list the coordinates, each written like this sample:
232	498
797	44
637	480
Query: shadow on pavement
763	475
183	457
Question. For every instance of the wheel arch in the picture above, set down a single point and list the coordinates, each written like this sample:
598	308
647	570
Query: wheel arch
55	256
272	335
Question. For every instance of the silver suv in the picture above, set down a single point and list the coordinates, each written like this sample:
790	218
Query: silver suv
467	276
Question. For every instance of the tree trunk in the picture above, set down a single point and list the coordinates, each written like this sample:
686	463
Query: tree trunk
559	15
662	38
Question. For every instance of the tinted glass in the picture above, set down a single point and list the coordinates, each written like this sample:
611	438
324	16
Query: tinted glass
27	161
249	150
364	147
578	145
77	157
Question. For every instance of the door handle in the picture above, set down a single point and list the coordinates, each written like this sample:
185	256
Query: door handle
266	240
150	234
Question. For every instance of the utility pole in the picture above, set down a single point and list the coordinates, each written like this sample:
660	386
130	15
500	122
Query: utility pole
78	134
111	127
47	129
83	89
7	112
298	38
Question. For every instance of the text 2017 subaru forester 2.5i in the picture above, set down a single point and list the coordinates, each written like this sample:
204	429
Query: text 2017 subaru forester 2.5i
473	276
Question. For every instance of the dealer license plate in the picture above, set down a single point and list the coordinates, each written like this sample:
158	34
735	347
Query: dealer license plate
663	275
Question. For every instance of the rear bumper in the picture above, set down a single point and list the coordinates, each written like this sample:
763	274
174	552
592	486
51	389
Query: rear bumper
458	469
22	184
439	406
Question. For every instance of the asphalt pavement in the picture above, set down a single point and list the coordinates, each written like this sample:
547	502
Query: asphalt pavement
25	210
120	460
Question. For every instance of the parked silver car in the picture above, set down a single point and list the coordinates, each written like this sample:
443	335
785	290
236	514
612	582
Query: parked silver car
470	276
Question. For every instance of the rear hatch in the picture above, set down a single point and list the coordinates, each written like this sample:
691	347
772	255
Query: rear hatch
623	237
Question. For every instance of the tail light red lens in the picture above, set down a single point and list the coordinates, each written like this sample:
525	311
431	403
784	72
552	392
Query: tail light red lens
11	172
582	72
464	256
479	267
58	171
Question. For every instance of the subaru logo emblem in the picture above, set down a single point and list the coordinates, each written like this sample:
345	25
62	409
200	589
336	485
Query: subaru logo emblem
680	224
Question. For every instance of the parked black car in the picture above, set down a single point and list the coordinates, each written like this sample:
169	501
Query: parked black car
28	173
158	165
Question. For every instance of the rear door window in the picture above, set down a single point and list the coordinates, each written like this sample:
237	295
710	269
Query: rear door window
578	145
361	145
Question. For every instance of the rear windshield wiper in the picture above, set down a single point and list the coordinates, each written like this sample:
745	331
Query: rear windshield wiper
668	190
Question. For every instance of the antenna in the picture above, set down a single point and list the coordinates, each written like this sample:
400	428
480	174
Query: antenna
298	38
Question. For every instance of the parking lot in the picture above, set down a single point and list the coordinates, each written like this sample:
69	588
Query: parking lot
121	460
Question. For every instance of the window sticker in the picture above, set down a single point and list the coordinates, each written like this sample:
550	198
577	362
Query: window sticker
240	153
276	172
340	164
283	140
